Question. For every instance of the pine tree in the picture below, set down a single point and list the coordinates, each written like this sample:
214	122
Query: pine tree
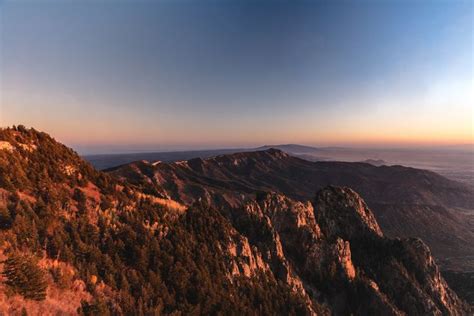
25	277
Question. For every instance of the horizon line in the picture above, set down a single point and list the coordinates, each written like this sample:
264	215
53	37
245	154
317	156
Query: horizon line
413	147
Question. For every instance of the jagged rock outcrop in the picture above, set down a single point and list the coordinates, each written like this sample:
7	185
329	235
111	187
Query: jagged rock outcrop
246	260
341	212
334	253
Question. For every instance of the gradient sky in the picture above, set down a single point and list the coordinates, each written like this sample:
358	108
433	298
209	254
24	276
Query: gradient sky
116	76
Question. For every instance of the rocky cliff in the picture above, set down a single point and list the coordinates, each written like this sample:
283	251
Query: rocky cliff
334	252
406	202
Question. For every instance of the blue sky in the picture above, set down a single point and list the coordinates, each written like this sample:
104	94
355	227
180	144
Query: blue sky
107	76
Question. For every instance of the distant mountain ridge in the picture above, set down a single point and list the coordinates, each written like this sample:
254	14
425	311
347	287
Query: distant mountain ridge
451	162
375	162
106	161
405	199
290	148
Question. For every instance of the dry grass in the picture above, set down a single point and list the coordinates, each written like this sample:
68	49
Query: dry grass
171	204
4	145
91	191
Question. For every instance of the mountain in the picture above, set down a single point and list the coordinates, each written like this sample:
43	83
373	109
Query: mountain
407	202
291	148
375	162
106	161
77	240
450	162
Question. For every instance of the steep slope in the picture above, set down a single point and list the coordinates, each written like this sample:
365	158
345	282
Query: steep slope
102	247
335	249
408	202
78	240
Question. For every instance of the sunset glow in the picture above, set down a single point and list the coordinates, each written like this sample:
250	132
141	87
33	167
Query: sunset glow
242	74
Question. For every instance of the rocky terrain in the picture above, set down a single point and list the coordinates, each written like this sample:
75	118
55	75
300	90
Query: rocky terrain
407	202
261	233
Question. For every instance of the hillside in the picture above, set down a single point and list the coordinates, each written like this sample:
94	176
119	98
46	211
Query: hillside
407	202
77	240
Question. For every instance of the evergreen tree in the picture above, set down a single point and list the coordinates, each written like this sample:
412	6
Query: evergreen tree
25	277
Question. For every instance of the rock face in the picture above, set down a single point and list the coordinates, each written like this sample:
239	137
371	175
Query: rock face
343	213
334	253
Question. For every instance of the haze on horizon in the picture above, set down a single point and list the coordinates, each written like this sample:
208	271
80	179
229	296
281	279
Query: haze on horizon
105	76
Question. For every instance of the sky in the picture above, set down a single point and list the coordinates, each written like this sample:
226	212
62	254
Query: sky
119	76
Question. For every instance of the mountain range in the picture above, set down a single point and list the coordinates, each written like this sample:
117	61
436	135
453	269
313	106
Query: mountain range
455	163
406	201
259	232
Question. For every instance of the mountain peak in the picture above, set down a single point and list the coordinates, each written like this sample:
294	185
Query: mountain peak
246	158
34	163
274	152
342	212
278	153
291	148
